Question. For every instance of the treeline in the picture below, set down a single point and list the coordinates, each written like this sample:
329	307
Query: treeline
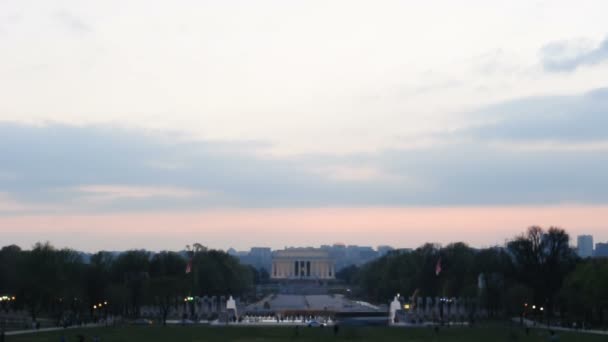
58	283
538	268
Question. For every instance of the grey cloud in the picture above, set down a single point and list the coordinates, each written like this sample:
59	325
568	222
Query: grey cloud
569	55
577	118
47	164
479	174
51	161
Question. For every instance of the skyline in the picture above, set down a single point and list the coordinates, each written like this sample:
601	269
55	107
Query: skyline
132	123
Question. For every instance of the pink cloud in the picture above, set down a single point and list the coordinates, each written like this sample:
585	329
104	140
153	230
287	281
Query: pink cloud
111	192
242	228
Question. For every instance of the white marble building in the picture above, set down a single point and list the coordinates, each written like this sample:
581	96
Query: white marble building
302	263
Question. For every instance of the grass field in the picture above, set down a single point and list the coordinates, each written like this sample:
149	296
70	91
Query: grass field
493	333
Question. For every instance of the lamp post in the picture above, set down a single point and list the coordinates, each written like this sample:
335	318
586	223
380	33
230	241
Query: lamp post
7	301
98	307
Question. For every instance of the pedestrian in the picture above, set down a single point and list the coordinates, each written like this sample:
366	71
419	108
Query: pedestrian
336	329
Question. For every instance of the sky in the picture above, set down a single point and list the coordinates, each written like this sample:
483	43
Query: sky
156	124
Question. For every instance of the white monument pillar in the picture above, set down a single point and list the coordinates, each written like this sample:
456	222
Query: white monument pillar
231	304
394	306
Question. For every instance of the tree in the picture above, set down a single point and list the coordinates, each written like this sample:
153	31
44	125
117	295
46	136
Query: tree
458	276
584	292
99	280
218	273
132	268
348	274
542	260
167	281
9	266
495	267
401	273
49	280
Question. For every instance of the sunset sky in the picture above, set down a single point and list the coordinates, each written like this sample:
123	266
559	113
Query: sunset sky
156	124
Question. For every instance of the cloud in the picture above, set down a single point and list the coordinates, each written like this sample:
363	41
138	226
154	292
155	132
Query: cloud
537	150
112	192
568	55
10	205
575	119
66	164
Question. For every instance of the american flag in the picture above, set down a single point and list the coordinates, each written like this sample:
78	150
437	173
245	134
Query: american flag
189	266
438	267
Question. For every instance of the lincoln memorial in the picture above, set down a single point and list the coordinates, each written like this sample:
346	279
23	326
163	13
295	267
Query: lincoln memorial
302	263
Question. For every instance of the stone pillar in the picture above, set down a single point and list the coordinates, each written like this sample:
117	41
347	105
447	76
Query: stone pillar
222	303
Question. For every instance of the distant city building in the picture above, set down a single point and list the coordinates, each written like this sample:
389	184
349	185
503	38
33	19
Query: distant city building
585	246
258	257
345	256
302	263
601	250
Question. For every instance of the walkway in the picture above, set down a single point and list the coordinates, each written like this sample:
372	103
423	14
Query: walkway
537	325
32	331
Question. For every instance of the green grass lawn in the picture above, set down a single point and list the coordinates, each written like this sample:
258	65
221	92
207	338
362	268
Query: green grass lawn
490	333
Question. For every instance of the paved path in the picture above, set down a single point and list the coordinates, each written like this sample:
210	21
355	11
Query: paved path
536	325
33	331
